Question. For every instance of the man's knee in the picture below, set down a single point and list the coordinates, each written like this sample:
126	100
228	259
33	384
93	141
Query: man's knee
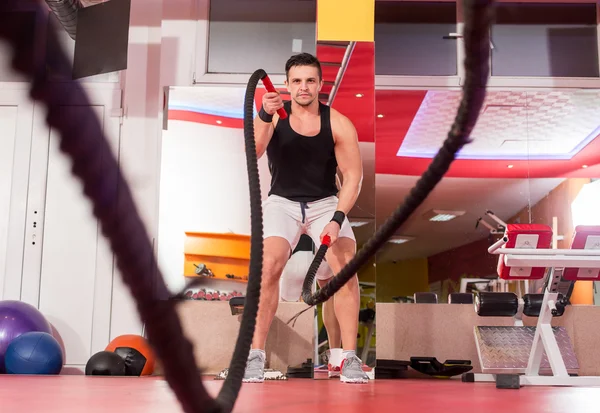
272	268
342	251
275	256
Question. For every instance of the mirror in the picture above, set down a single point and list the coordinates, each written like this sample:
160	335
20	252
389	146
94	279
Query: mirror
505	169
570	142
444	242
204	224
204	216
532	161
443	246
348	71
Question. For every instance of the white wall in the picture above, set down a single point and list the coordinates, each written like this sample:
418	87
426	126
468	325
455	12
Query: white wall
204	180
15	141
75	263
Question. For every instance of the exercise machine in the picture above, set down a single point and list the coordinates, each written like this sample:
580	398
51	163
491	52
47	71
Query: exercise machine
541	355
500	227
500	284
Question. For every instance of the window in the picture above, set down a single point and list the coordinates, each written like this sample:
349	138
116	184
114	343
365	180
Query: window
245	35
545	40
409	38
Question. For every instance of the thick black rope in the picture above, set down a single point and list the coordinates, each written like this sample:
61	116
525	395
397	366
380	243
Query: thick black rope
97	168
233	382
310	276
478	18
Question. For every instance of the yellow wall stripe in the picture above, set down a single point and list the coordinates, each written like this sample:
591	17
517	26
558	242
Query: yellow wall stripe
346	20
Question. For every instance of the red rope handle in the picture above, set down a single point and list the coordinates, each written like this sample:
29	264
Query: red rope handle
270	88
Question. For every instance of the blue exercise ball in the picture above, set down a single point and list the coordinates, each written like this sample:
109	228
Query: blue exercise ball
34	353
16	318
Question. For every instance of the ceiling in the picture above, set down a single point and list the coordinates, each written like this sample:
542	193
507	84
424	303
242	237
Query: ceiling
535	134
505	197
525	144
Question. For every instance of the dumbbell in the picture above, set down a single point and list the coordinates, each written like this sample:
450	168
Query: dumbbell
425	298
203	270
501	304
460	298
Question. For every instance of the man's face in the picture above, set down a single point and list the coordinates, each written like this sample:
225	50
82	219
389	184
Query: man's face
304	84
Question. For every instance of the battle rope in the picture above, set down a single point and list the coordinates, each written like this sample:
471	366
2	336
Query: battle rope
97	168
478	17
233	382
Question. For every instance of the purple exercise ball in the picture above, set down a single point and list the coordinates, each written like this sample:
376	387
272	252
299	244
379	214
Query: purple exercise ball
16	318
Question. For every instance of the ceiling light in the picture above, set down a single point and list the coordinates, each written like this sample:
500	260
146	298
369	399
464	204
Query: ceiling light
219	122
359	95
358	223
380	115
510	166
400	239
440	215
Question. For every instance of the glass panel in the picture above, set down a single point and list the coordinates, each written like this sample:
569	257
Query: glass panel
246	35
573	170
442	243
557	40
409	38
208	119
427	273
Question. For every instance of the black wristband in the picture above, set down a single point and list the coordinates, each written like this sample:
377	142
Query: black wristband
264	116
338	217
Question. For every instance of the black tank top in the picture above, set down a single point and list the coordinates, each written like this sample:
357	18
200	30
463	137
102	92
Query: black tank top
303	168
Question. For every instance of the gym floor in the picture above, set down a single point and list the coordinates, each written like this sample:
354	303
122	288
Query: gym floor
70	394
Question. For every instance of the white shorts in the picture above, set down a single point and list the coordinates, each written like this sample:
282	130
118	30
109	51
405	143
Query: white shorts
289	219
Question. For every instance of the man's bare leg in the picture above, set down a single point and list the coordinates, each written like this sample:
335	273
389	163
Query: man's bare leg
347	305
334	337
276	251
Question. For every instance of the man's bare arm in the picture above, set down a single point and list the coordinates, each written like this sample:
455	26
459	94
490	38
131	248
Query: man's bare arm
263	132
263	129
347	153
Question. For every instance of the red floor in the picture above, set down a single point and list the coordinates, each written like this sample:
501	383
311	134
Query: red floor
69	394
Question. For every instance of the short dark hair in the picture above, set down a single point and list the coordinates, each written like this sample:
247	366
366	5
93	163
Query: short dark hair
303	59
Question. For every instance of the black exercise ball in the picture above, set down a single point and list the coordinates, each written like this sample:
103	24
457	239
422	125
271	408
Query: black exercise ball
105	363
134	360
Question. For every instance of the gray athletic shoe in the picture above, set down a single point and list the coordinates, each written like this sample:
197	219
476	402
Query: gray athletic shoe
255	367
352	371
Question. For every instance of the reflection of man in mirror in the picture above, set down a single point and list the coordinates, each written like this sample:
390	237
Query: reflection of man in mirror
304	151
294	271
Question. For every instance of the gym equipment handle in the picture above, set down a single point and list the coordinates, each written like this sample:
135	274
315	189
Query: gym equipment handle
270	88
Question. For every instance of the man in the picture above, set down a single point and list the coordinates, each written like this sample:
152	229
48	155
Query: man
304	151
